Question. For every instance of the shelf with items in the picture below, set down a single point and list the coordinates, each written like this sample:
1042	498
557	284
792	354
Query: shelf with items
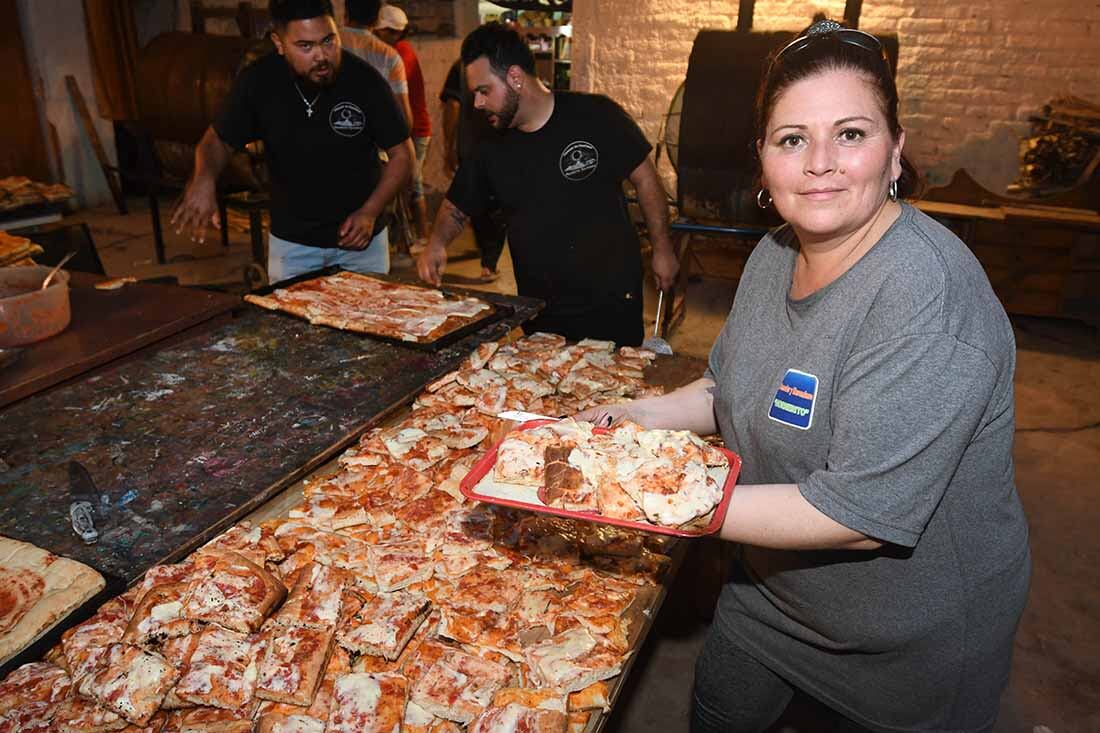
553	49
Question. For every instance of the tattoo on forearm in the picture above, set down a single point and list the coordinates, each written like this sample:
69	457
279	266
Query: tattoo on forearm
458	217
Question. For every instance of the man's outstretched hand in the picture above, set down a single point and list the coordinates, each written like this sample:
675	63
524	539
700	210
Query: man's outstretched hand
196	210
430	264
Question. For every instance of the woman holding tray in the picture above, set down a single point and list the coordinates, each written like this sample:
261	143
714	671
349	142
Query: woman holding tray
864	375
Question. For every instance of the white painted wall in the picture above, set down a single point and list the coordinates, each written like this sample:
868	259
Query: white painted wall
969	73
57	45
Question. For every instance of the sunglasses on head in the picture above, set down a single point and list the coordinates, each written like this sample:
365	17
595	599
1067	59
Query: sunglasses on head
831	29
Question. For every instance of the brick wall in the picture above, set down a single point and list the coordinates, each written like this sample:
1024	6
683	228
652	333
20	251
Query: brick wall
969	74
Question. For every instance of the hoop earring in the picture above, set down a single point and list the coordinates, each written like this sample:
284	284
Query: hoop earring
759	198
892	192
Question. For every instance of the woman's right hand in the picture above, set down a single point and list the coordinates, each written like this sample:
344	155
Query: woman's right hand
604	416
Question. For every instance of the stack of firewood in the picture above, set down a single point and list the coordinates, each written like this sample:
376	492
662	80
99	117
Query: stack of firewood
1063	150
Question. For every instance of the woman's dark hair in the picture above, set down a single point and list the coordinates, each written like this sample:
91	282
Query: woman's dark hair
501	45
827	51
363	12
284	11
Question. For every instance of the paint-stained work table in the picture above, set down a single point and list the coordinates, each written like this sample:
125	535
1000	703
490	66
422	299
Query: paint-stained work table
108	325
186	440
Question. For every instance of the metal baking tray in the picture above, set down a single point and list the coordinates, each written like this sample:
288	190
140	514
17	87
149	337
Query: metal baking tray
496	313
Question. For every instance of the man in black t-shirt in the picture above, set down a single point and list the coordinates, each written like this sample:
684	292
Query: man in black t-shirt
557	169
323	114
462	128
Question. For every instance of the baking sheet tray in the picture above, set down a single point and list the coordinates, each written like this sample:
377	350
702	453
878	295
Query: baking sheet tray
479	484
496	311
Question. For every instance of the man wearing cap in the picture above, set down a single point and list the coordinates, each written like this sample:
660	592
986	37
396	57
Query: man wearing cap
392	27
557	169
323	114
358	37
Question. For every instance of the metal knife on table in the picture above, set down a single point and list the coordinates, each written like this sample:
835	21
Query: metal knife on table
82	500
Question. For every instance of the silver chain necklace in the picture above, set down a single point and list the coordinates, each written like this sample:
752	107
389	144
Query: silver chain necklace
308	104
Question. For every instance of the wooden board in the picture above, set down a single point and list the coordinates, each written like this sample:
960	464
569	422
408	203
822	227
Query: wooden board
107	325
184	441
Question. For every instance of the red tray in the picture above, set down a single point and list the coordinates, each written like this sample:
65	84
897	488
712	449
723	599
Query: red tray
484	467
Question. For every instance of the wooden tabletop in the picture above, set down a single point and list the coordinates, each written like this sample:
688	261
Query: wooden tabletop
106	325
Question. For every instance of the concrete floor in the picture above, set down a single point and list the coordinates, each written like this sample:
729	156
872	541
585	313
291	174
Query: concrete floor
1055	683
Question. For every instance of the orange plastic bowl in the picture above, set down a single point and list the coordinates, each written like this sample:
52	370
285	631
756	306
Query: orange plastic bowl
28	313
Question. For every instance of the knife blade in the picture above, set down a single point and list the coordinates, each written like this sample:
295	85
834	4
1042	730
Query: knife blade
520	416
82	500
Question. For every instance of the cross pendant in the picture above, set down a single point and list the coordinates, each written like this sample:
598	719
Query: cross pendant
309	113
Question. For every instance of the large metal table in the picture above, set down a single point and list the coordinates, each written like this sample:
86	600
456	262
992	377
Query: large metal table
184	441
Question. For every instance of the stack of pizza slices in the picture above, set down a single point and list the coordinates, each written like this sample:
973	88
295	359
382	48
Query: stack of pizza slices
629	473
18	191
364	304
384	602
17	251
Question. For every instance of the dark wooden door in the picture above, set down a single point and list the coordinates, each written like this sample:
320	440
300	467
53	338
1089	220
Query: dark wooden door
22	148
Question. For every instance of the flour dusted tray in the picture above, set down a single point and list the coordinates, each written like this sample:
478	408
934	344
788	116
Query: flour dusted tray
480	484
380	307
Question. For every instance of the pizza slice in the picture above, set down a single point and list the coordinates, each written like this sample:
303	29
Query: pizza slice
368	703
385	624
597	696
222	669
572	660
80	715
601	599
133	682
458	686
256	542
158	617
397	566
314	602
37	682
215	720
237	594
85	645
521	457
288	723
330	512
480	356
177	652
294	664
672	497
520	710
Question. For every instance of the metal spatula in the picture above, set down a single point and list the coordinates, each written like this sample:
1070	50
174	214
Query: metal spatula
655	343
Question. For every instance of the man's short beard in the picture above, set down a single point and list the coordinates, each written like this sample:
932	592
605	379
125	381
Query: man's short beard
508	112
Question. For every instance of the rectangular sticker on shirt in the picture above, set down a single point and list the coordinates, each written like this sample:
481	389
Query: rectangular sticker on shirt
794	400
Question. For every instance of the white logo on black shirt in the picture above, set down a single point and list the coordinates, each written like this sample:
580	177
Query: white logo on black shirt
579	160
347	119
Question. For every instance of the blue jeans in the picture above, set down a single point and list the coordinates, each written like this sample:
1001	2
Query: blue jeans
287	259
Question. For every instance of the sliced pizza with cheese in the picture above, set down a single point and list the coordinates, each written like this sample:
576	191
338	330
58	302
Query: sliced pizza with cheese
384	624
222	669
368	703
238	594
315	600
132	682
294	663
458	686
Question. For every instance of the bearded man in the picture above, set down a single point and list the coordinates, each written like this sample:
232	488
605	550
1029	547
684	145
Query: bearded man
556	170
323	114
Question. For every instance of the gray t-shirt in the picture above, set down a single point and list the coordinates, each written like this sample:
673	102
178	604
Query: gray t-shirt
887	396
